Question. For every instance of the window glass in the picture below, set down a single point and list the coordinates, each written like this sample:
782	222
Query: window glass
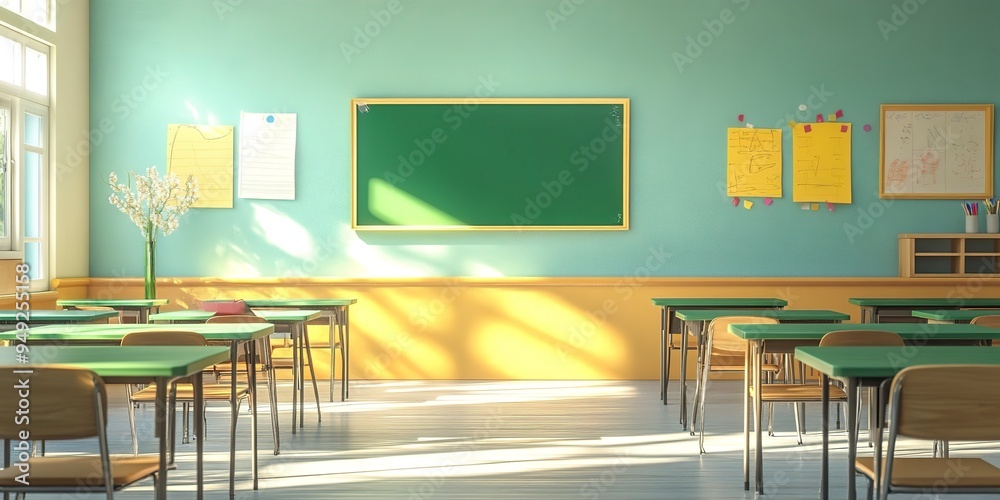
10	61
32	194
36	71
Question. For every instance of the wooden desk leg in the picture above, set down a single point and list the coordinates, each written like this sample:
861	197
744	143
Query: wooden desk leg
265	356
199	432
161	432
234	412
345	349
697	328
852	434
301	346
746	420
664	353
252	382
295	378
757	360
683	377
824	478
331	317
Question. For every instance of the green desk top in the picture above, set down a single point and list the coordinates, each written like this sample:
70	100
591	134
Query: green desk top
271	316
288	315
112	302
928	302
909	331
885	362
186	315
113	333
125	362
54	316
779	314
311	303
959	315
678	302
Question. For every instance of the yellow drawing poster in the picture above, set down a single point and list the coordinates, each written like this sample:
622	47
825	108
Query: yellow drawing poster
821	162
206	152
753	162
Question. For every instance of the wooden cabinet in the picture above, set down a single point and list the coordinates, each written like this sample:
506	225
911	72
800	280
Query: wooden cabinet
949	255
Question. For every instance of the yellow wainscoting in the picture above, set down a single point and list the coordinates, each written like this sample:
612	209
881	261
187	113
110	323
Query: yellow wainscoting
518	328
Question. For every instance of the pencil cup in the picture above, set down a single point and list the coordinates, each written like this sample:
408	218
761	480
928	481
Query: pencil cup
993	223
971	224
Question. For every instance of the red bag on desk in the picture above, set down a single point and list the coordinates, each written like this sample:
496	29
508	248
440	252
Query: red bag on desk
224	307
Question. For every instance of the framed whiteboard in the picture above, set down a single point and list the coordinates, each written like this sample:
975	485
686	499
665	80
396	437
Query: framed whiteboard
942	151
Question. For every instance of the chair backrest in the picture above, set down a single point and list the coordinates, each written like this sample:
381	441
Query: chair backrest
861	338
726	349
992	321
65	402
224	307
236	318
165	337
947	402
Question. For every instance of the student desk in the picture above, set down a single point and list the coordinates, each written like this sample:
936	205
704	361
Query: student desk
336	311
129	364
953	315
695	321
669	325
873	310
63	336
869	367
141	307
36	317
295	320
187	316
784	338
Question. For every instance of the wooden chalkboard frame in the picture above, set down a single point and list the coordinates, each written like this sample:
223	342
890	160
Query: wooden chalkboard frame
983	157
363	105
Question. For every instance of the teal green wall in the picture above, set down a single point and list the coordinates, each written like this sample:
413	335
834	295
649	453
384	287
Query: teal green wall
223	56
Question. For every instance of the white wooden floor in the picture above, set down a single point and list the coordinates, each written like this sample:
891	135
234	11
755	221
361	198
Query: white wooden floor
492	439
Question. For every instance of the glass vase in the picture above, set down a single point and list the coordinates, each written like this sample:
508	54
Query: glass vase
150	276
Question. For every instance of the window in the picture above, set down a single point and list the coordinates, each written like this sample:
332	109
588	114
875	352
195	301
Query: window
38	11
24	154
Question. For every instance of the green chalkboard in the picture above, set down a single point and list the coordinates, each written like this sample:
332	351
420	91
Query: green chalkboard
442	164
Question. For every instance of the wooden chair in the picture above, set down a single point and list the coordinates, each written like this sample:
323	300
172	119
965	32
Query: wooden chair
992	321
264	356
305	357
864	338
940	403
183	391
66	403
724	353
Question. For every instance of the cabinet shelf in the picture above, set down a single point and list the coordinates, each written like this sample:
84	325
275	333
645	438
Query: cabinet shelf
949	255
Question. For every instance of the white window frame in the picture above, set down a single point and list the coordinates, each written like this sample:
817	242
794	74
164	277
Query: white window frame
41	282
7	240
24	101
17	7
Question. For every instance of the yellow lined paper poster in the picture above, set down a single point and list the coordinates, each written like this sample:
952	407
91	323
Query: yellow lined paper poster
206	152
821	162
753	162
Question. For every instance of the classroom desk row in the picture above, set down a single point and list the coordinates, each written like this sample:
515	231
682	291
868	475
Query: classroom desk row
873	310
866	364
334	312
124	365
85	339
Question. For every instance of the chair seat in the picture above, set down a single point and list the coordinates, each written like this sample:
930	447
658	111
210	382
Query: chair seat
210	392
67	471
735	368
792	393
953	472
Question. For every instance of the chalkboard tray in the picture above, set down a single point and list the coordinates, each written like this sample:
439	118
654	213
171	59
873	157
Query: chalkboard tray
490	164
